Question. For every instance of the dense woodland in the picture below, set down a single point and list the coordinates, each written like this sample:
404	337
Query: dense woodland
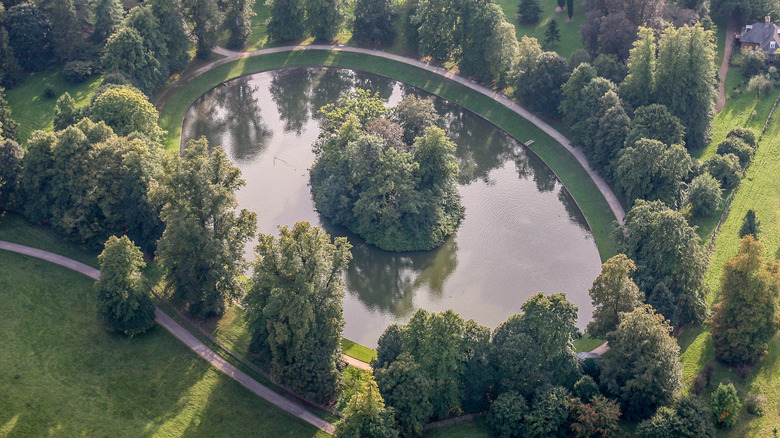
637	101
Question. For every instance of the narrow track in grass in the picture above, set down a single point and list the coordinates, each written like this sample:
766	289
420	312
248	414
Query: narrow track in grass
188	339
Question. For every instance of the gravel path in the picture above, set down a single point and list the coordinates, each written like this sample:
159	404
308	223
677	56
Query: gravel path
731	30
191	341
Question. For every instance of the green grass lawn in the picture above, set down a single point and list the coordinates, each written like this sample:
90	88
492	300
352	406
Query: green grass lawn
33	110
582	188
586	343
65	375
569	30
357	351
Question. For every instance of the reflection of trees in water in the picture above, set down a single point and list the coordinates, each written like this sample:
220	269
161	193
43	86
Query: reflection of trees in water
531	165
327	86
232	111
387	281
572	209
290	90
375	83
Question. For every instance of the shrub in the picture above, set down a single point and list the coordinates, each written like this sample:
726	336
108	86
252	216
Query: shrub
748	136
725	405
756	404
586	388
77	71
724	168
507	415
736	146
49	92
704	194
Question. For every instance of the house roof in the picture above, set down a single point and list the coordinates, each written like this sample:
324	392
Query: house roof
762	34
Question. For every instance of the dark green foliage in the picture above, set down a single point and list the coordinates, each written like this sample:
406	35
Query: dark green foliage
143	20
750	225
688	417
748	11
507	415
374	22
10	71
11	155
638	88
238	21
324	18
725	405
536	348
201	250
286	22
78	71
389	346
570	9
586	388
745	134
609	66
528	11
172	32
643	369
123	297
126	53
610	135
8	127
540	88
705	195
205	17
612	293
398	196
667	250
552	34
65	32
651	170
65	112
580	56
29	36
488	47
655	122
549	413
108	18
478	377
126	110
725	168
735	145
294	308
366	416
753	62
414	115
436	23
746	319
405	386
573	107
599	418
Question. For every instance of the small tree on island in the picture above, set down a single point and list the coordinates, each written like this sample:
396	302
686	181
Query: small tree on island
123	298
528	11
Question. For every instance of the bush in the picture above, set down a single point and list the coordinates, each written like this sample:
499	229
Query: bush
725	405
77	71
705	195
507	415
756	404
736	146
586	388
746	135
724	168
753	62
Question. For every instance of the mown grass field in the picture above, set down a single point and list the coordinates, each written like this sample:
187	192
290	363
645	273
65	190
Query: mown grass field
65	375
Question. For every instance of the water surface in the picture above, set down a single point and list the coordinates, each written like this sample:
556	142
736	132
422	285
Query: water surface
523	233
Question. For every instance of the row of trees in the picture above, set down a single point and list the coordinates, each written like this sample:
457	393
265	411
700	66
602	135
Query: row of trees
321	19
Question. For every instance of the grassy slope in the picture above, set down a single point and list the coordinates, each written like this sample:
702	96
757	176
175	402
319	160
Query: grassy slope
593	205
65	375
570	31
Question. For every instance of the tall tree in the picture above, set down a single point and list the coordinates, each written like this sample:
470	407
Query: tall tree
324	18
172	29
666	251
528	11
29	36
570	9
287	19
638	88
11	155
238	21
127	110
108	18
551	33
201	250
643	370
405	386
651	170
573	106
687	69
10	70
747	317
123	297
8	126
127	53
438	27
65	32
206	19
489	44
294	308
613	292
540	87
144	21
655	122
374	22
65	112
366	416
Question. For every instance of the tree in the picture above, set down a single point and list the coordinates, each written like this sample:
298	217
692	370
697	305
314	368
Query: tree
687	417
10	71
528	11
638	88
613	293
8	126
643	370
586	388
172	32
11	155
759	83
65	32
143	20
507	415
238	22
540	87
747	317
570	9
374	22
389	346
599	418
478	376
294	308
406	388
127	110
123	297
704	194
725	405
436	22
29	36
611	131
750	225
753	62
666	250
415	114
286	20
616	35
573	107
126	53
366	416
65	112
206	18
488	47
651	170
202	247
549	413
725	168
324	18
551	33
687	67
748	11
655	122
108	18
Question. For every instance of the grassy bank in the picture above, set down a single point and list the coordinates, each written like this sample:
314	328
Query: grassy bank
582	188
65	375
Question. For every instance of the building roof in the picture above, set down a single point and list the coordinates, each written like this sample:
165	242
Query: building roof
762	34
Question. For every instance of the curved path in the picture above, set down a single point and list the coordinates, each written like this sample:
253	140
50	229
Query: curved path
191	341
230	56
731	29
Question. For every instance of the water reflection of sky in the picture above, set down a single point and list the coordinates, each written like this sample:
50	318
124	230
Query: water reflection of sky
522	233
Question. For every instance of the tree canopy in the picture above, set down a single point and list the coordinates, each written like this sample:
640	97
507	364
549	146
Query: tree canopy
613	292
